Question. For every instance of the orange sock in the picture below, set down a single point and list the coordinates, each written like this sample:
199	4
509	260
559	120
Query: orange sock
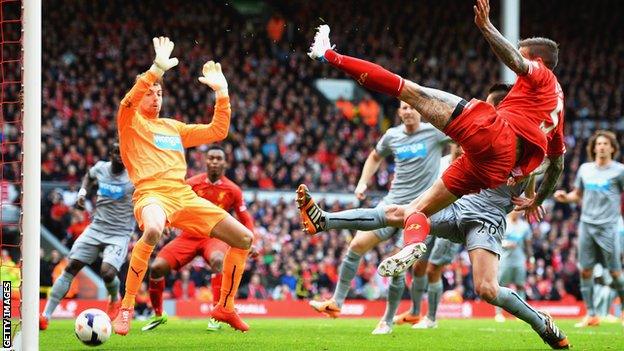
138	265
233	267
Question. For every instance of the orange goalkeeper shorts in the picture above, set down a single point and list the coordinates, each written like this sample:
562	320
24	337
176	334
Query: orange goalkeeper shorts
183	208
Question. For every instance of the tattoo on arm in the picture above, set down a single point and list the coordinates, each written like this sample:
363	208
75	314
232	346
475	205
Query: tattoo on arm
551	177
505	51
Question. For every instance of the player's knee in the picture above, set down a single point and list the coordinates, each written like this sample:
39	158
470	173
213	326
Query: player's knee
244	241
216	261
108	274
358	246
158	268
151	233
487	290
587	273
73	267
420	268
433	272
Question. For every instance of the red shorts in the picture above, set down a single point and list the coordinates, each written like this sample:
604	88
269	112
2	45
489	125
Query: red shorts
489	146
185	247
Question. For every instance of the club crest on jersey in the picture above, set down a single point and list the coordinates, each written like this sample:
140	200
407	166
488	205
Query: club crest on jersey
111	191
411	151
168	142
413	226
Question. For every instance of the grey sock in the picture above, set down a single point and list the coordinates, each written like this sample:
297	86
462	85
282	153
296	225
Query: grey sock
347	272
395	290
587	290
512	303
618	286
59	290
419	285
113	288
434	294
356	219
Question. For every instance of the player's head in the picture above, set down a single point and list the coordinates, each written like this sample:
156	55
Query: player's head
497	93
603	145
408	115
544	48
115	158
215	162
152	100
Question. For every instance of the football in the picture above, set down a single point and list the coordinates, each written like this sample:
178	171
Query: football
93	327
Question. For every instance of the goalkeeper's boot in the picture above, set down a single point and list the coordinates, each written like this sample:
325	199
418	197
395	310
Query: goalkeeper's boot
121	324
213	325
405	318
112	309
320	44
156	321
588	321
327	307
402	260
383	328
43	322
553	336
311	214
232	318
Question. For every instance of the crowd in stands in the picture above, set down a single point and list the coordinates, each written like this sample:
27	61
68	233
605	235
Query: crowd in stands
284	133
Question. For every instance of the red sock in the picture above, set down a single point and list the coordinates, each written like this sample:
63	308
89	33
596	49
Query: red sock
215	285
156	288
416	228
370	75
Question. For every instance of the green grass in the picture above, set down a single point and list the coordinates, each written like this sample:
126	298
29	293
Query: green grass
340	334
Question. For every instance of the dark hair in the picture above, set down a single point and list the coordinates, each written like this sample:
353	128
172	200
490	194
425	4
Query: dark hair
544	48
591	145
215	147
498	92
159	81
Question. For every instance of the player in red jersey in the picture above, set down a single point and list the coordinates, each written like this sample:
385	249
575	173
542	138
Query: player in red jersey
215	187
500	146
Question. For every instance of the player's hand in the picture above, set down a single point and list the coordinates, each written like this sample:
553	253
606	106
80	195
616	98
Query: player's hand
163	48
360	189
213	77
80	203
561	196
254	251
482	13
532	211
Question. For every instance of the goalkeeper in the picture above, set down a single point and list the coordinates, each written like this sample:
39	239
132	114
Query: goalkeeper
152	148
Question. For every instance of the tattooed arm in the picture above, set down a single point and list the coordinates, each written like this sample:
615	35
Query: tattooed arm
505	51
551	176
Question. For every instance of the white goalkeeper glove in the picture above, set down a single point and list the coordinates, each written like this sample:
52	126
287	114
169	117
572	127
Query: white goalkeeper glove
214	78
162	62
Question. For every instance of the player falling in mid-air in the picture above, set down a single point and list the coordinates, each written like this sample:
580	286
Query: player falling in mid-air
516	249
215	187
110	232
440	252
599	185
500	145
478	222
152	148
416	149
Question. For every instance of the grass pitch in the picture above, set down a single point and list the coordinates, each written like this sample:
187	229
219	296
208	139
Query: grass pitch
339	334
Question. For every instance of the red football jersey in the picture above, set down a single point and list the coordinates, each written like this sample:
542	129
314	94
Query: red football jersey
534	110
223	193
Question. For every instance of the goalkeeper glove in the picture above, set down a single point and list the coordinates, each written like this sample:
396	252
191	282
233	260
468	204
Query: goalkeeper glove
214	78
162	62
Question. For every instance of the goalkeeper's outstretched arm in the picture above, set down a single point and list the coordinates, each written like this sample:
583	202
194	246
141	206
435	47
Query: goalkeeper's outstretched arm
217	130
162	62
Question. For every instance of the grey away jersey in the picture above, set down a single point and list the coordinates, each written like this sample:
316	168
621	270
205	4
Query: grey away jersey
113	209
517	233
601	188
416	157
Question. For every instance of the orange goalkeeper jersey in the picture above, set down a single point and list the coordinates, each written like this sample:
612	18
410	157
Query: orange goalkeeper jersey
153	148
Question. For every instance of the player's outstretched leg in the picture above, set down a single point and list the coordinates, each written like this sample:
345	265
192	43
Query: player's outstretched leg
434	105
485	266
314	219
59	290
